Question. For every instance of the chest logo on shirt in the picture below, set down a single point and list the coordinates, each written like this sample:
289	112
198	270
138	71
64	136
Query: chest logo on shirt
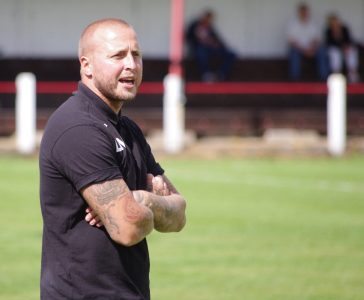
120	145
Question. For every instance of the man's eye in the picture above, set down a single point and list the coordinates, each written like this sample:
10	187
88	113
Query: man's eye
118	55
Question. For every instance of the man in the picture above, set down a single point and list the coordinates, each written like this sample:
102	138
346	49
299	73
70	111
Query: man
94	159
305	42
205	44
341	48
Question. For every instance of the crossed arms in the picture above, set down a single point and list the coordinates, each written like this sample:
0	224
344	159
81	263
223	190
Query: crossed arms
129	216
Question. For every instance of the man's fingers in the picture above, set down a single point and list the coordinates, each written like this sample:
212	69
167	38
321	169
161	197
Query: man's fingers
150	182
158	186
165	189
92	218
96	222
88	217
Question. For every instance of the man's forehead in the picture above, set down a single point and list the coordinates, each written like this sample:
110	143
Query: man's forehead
117	34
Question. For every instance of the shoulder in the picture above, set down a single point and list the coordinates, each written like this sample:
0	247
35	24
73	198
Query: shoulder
71	123
346	29
65	115
191	29
193	24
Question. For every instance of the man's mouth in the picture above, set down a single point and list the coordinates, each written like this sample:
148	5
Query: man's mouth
127	81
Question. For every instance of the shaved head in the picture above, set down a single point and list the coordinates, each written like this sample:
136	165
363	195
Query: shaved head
87	40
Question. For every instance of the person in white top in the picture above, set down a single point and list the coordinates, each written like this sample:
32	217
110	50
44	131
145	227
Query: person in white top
304	39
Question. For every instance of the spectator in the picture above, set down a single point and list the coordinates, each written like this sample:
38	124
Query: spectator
205	44
341	48
304	42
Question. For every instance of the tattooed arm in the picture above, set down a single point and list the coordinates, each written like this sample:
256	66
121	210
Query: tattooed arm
167	205
162	198
127	221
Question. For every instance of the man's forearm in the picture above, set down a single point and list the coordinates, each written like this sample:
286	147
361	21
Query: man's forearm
126	221
168	211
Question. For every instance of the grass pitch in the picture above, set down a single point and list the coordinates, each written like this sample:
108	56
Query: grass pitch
256	229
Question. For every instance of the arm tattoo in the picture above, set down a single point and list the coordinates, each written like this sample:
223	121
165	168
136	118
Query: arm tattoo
169	215
108	191
133	213
124	218
111	220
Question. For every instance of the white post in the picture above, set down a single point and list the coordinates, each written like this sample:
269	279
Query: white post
25	113
336	114
173	113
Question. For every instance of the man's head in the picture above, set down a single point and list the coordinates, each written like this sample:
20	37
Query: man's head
334	21
207	17
303	12
111	60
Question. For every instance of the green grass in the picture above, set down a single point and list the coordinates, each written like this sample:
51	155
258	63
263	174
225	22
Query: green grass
257	229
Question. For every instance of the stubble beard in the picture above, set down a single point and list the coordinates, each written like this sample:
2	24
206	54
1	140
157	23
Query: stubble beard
110	91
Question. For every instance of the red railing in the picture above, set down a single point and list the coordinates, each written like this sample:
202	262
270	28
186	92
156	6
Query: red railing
262	88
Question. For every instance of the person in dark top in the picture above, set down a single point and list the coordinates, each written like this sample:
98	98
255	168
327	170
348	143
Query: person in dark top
341	48
305	43
96	168
205	44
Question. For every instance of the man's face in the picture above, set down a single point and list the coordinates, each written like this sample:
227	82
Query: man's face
304	13
116	61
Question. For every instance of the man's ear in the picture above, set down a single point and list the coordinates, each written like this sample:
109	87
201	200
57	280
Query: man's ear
86	66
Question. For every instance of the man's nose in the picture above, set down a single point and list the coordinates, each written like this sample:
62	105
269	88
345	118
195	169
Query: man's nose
129	61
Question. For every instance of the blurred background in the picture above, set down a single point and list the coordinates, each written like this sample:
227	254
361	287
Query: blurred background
50	29
41	37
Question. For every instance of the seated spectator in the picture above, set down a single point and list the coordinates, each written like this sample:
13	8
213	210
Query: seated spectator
341	48
205	44
304	42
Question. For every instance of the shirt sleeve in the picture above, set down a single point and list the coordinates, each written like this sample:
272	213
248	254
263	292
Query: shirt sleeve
84	154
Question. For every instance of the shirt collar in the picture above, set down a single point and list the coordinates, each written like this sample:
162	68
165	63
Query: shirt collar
99	104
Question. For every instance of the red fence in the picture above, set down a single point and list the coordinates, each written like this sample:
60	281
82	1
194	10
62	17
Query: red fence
261	88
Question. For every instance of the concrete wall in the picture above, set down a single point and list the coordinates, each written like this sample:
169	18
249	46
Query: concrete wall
51	28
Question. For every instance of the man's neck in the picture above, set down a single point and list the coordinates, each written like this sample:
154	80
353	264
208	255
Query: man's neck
115	105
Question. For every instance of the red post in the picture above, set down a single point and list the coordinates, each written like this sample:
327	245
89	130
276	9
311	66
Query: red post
176	37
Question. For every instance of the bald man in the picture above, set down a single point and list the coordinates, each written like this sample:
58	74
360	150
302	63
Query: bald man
101	190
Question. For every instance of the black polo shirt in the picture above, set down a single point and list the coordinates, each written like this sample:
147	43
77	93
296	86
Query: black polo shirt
85	142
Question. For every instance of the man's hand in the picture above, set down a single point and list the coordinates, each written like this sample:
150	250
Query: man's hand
167	205
157	185
92	218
